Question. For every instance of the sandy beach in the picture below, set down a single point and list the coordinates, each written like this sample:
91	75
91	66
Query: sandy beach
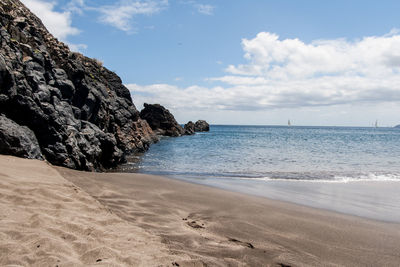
46	220
55	216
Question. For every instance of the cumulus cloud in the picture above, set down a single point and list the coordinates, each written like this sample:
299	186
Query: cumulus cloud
162	93
290	73
293	59
121	14
58	23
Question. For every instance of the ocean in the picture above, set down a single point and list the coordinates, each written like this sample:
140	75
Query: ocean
353	170
331	154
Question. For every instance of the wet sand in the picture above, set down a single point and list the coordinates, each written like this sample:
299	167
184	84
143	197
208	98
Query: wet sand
134	219
224	228
377	200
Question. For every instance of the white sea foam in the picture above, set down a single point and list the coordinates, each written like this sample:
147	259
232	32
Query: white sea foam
370	177
373	177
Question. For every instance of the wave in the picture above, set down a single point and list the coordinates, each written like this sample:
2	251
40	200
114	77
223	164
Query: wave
370	177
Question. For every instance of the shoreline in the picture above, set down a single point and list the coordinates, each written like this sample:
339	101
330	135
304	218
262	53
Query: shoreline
280	232
373	200
170	221
379	199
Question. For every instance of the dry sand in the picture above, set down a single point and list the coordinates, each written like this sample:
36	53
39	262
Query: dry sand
46	220
135	219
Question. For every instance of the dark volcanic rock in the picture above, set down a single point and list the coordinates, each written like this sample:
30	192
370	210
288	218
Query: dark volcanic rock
201	126
161	120
80	112
18	140
189	128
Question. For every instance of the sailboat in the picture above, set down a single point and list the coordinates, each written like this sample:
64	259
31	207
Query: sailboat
288	123
376	124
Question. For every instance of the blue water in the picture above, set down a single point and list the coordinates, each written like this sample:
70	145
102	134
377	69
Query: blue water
337	154
345	169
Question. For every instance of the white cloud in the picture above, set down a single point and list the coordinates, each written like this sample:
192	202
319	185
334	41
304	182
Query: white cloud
293	74
293	59
77	47
121	14
58	23
76	6
205	9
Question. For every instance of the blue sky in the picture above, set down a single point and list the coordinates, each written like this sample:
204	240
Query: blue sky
244	62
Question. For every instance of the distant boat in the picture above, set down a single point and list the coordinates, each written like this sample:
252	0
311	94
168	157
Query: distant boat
288	123
376	124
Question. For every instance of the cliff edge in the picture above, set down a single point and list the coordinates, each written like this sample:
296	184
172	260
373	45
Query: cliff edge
78	113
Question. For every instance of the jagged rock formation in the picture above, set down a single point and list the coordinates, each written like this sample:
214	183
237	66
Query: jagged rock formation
161	120
201	126
80	112
189	128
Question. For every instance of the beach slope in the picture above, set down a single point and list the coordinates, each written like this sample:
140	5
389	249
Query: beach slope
223	228
56	216
46	220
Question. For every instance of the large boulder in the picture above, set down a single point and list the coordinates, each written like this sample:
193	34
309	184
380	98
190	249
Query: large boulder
201	126
161	120
189	128
18	140
80	112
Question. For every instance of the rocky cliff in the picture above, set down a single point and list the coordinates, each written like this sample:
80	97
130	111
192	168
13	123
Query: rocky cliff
161	121
74	112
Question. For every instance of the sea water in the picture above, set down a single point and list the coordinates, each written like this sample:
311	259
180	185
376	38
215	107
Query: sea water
332	154
348	169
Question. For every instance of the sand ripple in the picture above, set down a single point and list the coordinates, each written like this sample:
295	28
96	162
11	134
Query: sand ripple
47	221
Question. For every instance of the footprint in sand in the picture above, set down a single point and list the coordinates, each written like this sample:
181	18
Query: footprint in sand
246	244
195	225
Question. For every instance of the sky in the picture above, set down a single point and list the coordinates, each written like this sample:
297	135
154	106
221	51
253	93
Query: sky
257	62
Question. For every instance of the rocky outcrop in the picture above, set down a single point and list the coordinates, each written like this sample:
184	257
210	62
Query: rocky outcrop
18	140
201	126
80	113
189	128
161	121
